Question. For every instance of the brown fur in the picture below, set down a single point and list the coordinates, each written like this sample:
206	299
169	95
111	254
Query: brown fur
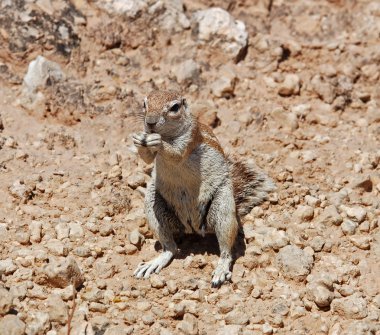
203	134
159	99
251	186
209	138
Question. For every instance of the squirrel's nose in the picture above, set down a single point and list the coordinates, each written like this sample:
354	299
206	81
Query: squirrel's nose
151	121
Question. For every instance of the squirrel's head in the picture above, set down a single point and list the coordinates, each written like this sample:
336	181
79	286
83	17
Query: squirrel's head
166	113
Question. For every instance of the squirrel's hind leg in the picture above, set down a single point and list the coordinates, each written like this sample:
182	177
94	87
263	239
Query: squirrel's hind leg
164	223
222	217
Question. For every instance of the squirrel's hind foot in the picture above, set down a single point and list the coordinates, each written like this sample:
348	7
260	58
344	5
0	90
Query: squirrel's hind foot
222	273
144	270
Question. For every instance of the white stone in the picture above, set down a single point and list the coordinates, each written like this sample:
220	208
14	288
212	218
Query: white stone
6	300
63	272
269	238
40	72
361	241
284	119
173	18
12	325
312	201
357	213
218	27
321	295
352	307
303	213
7	266
267	329
330	216
294	262
35	231
290	86
57	309
136	238
348	227
75	230
186	72
62	230
57	247
39	325
129	8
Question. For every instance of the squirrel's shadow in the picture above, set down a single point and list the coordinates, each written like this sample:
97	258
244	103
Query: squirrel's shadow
198	245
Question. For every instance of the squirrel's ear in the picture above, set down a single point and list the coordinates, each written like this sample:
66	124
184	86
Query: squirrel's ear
184	102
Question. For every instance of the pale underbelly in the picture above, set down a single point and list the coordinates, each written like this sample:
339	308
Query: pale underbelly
190	209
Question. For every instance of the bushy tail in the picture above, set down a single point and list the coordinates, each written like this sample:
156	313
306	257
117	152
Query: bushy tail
251	186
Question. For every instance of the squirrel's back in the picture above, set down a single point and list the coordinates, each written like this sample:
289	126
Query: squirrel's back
251	186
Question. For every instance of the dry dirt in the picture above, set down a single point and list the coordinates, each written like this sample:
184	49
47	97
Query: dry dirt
302	100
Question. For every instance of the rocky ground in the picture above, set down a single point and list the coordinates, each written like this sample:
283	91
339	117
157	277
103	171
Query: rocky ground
293	85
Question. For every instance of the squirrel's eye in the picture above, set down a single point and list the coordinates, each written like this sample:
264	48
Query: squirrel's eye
175	108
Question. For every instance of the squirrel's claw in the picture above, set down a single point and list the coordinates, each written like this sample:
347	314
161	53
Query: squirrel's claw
144	270
220	275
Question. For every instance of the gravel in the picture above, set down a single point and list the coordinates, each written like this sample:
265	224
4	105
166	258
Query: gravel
299	100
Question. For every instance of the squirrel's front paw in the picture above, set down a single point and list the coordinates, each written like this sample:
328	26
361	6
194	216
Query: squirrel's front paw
151	141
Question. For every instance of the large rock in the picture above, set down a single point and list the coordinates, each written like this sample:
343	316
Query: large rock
63	272
321	288
57	309
20	190
330	216
303	213
218	28
294	262
356	213
362	328
7	266
321	295
290	86
189	325
323	89
348	227
39	323
41	73
352	307
12	325
267	237
284	119
57	247
224	85
237	317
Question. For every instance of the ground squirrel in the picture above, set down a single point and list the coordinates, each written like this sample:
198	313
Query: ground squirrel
194	188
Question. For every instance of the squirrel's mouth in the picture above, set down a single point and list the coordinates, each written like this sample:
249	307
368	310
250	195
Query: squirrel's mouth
150	128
